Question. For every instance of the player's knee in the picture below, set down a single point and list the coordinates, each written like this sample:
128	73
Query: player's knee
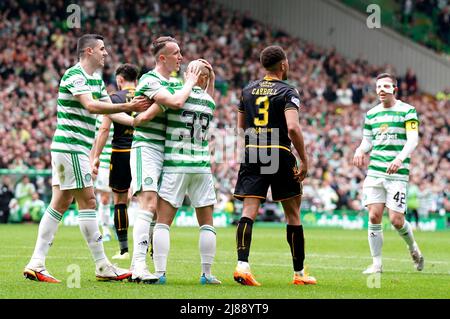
88	203
375	218
61	205
397	221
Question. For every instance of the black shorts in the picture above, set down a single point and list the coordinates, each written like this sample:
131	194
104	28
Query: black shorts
120	172
254	179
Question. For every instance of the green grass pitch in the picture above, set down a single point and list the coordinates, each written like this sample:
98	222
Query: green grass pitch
335	257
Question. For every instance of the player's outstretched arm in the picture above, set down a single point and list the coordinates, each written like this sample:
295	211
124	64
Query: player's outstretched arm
122	118
138	104
176	101
360	153
148	115
296	136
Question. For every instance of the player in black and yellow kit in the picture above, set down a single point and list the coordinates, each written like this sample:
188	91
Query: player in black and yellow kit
120	172
268	112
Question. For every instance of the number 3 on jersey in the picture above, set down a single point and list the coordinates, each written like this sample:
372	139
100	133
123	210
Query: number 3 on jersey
263	109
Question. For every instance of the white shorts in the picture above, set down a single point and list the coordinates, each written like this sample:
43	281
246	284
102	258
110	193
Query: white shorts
199	188
102	181
146	164
390	192
71	171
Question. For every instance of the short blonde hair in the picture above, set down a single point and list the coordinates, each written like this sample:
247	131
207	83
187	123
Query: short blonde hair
204	70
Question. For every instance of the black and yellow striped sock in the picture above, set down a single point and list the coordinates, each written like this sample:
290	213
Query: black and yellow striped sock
121	225
296	240
244	238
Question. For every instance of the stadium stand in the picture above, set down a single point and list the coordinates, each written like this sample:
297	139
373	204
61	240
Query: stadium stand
424	21
36	46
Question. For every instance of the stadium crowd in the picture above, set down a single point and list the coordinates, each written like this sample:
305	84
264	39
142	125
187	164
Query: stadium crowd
37	46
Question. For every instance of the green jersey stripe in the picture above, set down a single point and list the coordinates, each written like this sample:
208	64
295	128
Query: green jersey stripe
76	129
147	140
388	147
71	141
391	124
386	158
379	114
401	171
69	103
186	164
76	117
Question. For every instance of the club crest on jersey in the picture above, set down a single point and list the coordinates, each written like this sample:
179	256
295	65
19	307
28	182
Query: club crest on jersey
148	181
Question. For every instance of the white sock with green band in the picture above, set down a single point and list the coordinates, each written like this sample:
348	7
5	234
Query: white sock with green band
141	235
375	235
161	247
207	246
47	230
87	220
407	234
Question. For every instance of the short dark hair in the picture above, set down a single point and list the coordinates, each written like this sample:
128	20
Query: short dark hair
87	41
160	43
271	56
128	71
387	75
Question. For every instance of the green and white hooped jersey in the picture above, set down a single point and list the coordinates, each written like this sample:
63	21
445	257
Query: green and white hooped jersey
105	155
152	133
75	131
186	147
386	128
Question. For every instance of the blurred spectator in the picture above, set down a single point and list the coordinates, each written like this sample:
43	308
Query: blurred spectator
407	11
412	204
36	48
34	210
328	197
444	24
411	81
6	195
24	192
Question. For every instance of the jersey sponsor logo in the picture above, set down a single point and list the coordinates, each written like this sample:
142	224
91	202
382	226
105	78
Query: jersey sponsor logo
295	101
383	135
79	82
386	136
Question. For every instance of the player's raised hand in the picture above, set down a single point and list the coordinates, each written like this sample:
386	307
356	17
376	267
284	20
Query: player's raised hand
359	159
139	104
394	166
192	74
208	66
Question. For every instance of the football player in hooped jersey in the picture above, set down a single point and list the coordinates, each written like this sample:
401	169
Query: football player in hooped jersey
391	133
147	149
82	94
187	170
